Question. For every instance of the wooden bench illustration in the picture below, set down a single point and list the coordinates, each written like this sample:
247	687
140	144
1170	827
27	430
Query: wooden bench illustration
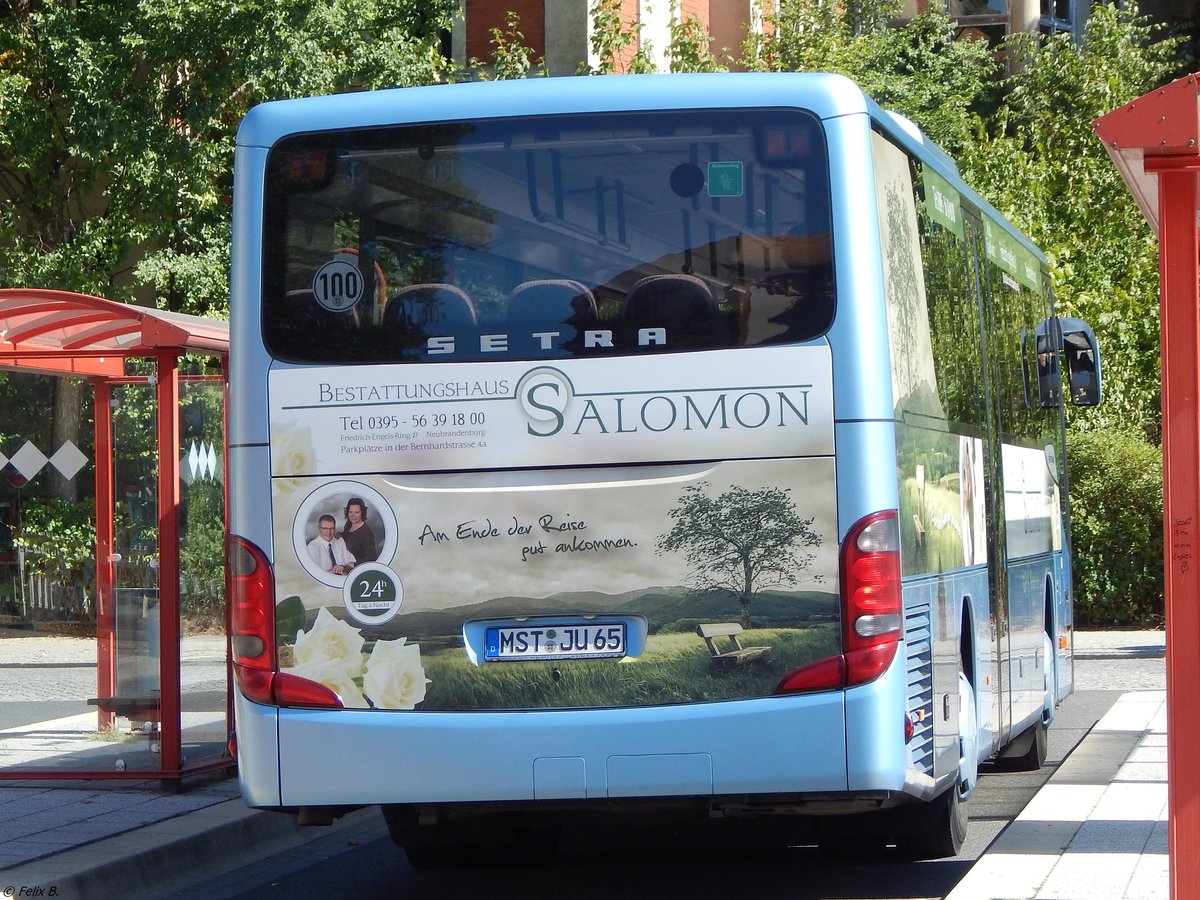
734	654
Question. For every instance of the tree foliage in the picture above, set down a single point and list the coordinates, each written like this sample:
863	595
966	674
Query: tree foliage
742	541
612	39
689	49
117	122
1044	168
1116	502
58	540
510	57
921	71
1025	141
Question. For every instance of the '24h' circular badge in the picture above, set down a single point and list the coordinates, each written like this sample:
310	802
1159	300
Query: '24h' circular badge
372	594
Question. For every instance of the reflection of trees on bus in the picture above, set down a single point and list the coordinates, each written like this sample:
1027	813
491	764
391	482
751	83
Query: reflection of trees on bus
486	209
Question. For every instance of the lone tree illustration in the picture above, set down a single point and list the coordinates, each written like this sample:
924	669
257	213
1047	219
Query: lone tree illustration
742	541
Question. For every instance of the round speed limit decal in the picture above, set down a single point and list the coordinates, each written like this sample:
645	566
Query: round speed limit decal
372	594
338	285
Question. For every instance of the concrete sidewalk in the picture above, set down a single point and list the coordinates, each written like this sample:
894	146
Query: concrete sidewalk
1096	830
124	839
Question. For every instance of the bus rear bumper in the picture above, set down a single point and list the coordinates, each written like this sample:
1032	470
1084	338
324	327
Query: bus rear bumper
784	746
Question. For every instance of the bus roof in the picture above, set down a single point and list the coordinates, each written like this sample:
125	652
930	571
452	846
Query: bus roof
823	94
909	135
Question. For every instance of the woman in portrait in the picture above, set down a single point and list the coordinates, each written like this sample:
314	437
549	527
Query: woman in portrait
357	534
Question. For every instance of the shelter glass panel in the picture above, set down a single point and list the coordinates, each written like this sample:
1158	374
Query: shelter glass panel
203	673
86	670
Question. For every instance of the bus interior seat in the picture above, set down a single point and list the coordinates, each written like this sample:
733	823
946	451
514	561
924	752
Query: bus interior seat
309	324
547	305
683	305
430	309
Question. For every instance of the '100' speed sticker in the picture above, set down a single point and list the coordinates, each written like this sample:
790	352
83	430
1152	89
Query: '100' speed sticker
338	285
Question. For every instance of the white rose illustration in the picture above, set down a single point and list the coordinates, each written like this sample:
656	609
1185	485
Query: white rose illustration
395	678
332	673
332	640
292	454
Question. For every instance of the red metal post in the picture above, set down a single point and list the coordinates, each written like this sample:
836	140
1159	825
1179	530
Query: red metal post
167	391
105	609
229	716
1180	302
1154	141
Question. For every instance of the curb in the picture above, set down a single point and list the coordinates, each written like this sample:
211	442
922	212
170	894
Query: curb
143	862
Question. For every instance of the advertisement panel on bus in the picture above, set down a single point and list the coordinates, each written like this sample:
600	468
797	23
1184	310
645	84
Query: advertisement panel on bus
694	559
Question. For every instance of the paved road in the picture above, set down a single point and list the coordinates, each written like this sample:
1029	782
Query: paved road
359	860
44	678
1147	674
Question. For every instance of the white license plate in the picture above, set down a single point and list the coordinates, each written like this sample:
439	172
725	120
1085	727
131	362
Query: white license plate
588	641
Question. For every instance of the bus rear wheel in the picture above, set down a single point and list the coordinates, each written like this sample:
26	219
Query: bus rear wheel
1027	753
937	829
934	830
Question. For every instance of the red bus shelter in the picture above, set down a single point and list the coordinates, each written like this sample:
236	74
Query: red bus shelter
1155	143
74	335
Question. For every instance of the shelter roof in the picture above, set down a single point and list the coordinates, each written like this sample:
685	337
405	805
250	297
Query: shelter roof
64	332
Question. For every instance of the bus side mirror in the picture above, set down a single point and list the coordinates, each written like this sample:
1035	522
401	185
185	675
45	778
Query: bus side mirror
1082	355
1074	343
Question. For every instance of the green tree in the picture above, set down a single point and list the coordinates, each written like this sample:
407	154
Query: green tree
612	37
689	49
511	57
921	70
1024	141
1044	168
742	541
59	541
1116	501
117	122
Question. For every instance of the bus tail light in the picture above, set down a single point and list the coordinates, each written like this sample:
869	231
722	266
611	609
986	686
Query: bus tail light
292	690
872	615
251	593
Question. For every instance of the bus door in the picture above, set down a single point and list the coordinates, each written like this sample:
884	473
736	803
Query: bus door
997	657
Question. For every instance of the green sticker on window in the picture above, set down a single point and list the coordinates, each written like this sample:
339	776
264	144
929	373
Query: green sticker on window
942	202
725	179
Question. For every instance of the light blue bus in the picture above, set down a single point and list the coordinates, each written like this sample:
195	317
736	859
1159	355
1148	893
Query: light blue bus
688	445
